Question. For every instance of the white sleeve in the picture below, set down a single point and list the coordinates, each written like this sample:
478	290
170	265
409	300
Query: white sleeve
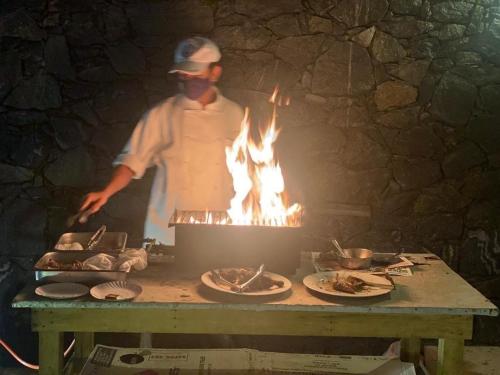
148	138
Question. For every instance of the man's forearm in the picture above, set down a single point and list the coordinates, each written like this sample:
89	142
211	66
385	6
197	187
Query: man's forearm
121	178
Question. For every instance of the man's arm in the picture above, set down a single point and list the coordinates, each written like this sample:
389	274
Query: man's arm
95	200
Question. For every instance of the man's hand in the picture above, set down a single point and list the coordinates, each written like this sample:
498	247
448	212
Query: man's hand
94	201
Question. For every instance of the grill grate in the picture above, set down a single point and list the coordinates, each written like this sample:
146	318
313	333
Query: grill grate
222	218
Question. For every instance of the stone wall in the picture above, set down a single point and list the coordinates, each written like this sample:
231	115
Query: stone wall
392	136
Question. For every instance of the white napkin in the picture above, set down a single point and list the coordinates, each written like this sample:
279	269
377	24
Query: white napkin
133	258
100	262
69	246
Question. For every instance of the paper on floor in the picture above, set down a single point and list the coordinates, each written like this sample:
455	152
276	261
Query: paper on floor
105	360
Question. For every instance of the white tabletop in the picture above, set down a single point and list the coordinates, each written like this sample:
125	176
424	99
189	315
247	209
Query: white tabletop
433	289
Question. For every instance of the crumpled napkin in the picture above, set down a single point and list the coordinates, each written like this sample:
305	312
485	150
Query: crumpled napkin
133	258
69	246
136	259
100	262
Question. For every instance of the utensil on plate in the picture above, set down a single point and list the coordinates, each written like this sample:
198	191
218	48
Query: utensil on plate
210	280
246	284
218	277
239	288
376	285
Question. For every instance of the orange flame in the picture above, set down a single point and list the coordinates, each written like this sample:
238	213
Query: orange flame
260	196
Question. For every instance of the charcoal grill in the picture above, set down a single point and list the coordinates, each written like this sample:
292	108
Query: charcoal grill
200	246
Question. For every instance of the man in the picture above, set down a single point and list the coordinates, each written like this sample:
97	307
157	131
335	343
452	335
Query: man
185	137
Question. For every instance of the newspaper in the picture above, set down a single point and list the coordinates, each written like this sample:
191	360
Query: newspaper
107	360
402	268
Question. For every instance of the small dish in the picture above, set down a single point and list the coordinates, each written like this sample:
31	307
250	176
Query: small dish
357	258
62	290
116	291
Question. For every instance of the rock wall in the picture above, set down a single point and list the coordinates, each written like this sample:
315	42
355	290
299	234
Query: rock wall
392	136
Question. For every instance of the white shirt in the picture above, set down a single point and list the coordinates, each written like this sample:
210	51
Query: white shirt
186	143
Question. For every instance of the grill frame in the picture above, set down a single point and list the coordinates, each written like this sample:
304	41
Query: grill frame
201	247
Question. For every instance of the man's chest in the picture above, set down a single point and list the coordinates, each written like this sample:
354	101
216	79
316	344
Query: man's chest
205	127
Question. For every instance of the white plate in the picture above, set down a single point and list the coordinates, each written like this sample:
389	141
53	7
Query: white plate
317	282
62	290
206	279
123	290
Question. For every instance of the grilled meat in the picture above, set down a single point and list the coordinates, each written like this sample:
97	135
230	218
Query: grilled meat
241	275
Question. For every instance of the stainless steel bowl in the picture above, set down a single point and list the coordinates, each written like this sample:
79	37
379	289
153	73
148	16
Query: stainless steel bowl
358	259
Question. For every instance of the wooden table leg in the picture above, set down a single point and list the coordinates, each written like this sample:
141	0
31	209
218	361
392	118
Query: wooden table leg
84	344
450	356
410	350
50	352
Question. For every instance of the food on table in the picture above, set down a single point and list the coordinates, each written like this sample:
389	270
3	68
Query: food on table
73	266
241	275
111	296
99	262
349	284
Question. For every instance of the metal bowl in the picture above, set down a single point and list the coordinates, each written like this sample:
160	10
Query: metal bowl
358	258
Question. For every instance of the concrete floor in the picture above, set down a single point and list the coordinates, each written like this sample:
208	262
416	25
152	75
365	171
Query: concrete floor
479	360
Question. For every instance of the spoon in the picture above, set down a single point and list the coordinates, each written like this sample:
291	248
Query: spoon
340	249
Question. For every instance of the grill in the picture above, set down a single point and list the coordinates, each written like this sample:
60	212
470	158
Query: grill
206	240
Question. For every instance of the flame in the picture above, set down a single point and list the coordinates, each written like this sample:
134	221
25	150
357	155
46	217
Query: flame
273	97
260	197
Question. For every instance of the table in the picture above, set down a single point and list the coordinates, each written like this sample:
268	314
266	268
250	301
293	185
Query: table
433	303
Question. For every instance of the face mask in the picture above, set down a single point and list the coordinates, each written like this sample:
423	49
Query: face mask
195	87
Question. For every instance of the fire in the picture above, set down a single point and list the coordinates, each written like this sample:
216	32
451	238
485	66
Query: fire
260	197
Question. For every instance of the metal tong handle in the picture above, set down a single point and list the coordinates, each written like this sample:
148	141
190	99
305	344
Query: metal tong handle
96	238
246	284
219	277
82	217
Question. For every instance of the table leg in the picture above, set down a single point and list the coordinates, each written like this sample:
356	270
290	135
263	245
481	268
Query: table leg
50	352
450	356
410	350
84	344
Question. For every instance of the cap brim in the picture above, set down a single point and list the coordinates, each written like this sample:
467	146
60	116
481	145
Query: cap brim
189	67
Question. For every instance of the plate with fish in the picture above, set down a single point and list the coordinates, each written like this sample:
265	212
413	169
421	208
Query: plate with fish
349	284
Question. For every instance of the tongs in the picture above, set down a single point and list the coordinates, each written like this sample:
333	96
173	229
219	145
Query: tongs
239	288
82	217
96	238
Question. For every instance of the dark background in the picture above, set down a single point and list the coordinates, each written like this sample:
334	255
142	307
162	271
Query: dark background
391	140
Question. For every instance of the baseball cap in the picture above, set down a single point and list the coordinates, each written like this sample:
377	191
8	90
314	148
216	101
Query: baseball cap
194	55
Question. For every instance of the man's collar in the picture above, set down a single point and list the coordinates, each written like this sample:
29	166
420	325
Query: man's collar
196	105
